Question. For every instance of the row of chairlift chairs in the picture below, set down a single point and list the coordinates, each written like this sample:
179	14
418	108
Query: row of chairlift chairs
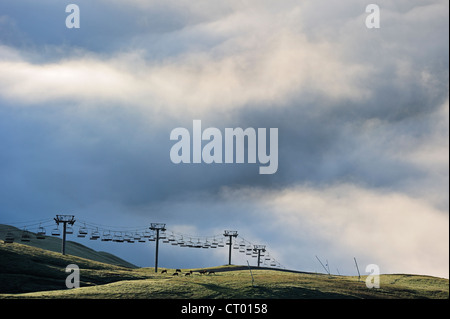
120	237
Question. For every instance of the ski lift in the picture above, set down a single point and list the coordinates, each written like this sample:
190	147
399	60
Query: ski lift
69	230
40	233
137	236
206	244
141	240
56	232
221	243
181	242
25	236
174	242
152	237
82	232
235	246
198	244
162	235
106	236
128	238
118	238
147	234
9	238
190	243
94	235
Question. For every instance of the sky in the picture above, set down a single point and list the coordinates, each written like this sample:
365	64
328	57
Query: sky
362	116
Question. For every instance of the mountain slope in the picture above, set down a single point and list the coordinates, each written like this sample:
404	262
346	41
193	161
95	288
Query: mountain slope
30	272
72	248
24	268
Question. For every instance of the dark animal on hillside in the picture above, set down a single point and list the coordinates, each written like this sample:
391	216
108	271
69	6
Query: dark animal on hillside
164	271
187	274
211	272
175	274
202	272
178	270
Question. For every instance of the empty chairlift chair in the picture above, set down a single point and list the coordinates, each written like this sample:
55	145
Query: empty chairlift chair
128	238
106	236
118	238
82	232
25	236
94	235
41	233
56	232
69	230
9	238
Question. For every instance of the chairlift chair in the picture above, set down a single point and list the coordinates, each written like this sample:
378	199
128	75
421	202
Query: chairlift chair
162	234
147	234
69	230
198	244
106	236
82	232
118	238
94	235
137	236
9	238
25	236
181	242
56	232
206	244
127	237
174	242
41	233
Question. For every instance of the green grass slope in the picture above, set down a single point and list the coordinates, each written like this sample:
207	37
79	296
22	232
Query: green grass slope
30	272
72	248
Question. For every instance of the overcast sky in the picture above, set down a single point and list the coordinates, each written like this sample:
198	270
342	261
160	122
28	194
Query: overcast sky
362	115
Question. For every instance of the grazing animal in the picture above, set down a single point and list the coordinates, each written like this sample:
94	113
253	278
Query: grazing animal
202	272
178	270
211	272
175	274
164	271
187	274
190	271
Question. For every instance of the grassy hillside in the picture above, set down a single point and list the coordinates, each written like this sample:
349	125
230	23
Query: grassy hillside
30	272
72	248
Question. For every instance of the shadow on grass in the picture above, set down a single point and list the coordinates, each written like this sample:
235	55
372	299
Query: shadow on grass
261	292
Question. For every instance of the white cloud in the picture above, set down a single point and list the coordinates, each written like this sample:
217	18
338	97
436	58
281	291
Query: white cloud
400	233
255	58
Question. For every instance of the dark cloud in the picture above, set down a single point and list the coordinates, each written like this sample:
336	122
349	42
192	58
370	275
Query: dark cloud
370	120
